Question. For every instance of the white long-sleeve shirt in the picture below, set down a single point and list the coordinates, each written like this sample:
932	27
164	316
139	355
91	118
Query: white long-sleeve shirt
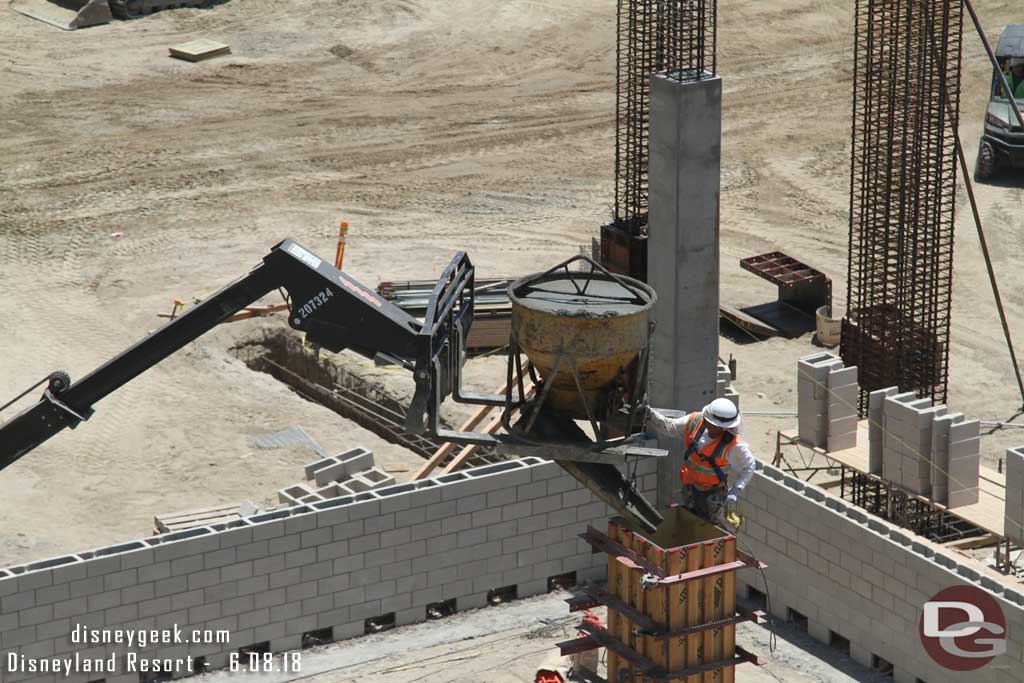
741	461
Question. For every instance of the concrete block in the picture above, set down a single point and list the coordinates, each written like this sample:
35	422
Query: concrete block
379	523
964	431
313	467
963	474
292	495
962	497
963	449
841	377
842	441
374	478
817	630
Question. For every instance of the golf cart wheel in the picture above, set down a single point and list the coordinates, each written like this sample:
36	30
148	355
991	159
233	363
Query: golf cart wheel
985	166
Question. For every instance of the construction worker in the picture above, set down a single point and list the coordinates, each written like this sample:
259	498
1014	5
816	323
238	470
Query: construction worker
713	445
1016	79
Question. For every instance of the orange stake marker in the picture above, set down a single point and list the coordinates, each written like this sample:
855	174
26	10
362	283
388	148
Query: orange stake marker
339	256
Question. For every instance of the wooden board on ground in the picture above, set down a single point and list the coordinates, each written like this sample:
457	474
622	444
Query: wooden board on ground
180	521
197	50
746	322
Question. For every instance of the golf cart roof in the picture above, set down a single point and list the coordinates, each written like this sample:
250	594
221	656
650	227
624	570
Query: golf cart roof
1011	43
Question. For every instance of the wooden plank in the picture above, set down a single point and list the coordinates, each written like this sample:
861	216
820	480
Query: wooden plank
441	453
676	612
657	609
707	609
615	588
174	521
694	646
467	452
197	50
631	584
492	427
987	513
257	312
646	599
198	512
746	322
972	543
728	609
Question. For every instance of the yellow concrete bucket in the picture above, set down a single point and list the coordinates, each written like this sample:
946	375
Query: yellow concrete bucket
583	330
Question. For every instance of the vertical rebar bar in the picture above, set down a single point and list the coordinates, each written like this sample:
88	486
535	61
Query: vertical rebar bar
653	36
902	193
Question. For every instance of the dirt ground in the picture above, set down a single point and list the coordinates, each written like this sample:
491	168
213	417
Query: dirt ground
431	127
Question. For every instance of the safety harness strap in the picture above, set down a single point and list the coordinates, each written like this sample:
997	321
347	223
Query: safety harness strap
711	461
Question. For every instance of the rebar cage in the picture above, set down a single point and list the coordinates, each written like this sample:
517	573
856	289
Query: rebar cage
654	36
906	103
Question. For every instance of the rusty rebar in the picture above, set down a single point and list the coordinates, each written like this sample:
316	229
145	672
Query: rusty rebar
653	36
902	194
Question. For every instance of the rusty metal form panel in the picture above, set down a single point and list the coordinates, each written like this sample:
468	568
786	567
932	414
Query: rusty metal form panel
654	36
906	103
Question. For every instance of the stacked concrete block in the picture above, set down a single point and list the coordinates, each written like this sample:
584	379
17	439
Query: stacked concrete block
827	402
855	576
328	475
964	448
340	467
940	456
843	392
723	385
1014	513
294	494
333	564
876	420
907	441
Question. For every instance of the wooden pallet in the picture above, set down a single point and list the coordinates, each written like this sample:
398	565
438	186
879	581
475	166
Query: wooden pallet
180	521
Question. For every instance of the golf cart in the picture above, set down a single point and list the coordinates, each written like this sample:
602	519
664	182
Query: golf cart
1003	141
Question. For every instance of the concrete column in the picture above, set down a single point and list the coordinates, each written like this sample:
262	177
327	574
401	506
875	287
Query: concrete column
682	250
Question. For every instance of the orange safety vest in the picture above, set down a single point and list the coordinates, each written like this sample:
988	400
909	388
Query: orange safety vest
705	467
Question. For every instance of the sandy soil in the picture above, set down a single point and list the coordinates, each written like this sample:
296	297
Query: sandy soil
430	127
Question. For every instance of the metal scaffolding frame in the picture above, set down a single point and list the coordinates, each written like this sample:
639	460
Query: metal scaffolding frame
906	102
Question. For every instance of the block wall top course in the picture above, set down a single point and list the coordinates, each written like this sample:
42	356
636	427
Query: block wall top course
839	377
875	398
901	546
819	358
180	544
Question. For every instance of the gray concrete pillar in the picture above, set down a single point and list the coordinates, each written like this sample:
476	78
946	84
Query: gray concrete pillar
682	250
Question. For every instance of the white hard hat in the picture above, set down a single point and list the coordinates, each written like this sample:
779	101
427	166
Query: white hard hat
722	413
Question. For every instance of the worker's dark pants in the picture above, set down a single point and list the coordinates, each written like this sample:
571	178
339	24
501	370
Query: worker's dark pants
706	503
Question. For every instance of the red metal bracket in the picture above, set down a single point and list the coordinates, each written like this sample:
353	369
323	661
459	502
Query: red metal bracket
601	543
651	670
577	645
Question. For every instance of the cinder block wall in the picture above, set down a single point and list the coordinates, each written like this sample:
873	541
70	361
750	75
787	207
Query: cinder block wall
853	575
336	563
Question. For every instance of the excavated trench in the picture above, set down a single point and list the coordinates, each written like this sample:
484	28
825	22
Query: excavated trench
328	380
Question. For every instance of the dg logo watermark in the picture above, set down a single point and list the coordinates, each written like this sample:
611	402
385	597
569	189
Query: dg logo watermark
963	628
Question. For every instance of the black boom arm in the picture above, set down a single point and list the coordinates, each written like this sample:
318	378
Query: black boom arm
334	310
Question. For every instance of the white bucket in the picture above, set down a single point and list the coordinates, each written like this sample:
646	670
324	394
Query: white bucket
829	328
